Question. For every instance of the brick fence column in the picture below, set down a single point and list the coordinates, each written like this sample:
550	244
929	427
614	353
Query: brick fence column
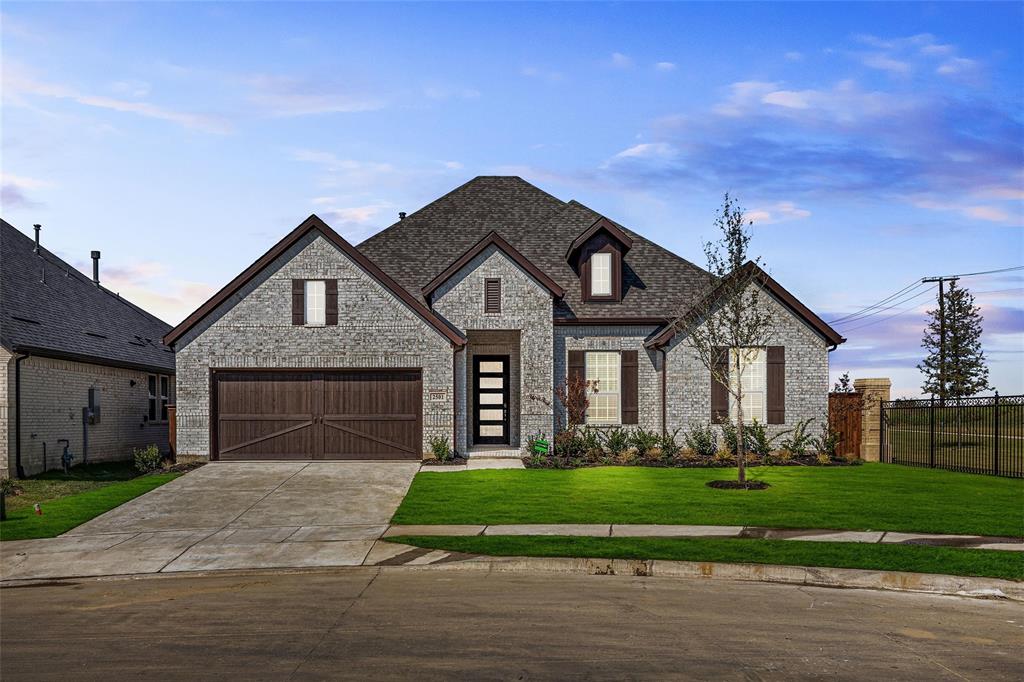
874	391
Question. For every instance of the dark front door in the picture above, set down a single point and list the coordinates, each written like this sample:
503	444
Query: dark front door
346	414
490	399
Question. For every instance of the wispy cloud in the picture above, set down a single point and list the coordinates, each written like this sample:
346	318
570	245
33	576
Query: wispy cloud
19	85
550	75
664	67
778	212
285	96
14	190
620	61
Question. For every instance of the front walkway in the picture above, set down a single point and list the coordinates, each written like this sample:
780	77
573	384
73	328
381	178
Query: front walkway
605	530
229	515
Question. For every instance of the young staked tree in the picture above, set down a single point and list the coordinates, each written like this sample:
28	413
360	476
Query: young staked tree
955	369
732	317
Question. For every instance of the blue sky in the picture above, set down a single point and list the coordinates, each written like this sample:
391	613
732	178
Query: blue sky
872	144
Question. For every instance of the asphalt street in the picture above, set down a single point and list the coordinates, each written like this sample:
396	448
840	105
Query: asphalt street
368	624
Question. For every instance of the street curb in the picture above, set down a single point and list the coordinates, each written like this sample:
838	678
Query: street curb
850	578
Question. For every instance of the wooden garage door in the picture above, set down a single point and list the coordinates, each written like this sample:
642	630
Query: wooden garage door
351	414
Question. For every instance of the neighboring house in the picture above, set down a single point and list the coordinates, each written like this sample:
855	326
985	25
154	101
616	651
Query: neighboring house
458	322
77	363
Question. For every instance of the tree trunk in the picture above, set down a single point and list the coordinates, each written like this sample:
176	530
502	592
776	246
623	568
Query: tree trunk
741	453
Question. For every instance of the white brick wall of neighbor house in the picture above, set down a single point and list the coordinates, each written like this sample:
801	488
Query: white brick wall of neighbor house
253	329
53	393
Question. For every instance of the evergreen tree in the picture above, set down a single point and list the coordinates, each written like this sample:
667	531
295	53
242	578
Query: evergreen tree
965	371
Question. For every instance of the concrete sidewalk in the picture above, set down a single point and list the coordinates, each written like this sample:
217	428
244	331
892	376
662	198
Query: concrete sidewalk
680	531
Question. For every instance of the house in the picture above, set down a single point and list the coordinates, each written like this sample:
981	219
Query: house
80	366
458	322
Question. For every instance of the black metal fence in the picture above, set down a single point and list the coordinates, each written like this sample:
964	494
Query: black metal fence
977	435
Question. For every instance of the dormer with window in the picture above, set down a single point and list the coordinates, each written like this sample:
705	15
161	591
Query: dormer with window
596	255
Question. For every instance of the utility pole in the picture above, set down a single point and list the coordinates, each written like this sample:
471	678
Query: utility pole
942	331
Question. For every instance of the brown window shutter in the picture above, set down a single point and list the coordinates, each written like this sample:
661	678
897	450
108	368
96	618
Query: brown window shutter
298	302
719	392
331	301
492	295
776	385
630	388
576	367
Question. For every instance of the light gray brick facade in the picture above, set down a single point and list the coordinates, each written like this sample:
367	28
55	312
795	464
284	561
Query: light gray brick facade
523	329
689	382
253	329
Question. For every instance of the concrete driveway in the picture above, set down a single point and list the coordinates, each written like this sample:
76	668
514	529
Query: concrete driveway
229	515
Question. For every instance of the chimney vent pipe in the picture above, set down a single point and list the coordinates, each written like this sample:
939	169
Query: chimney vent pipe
37	227
96	267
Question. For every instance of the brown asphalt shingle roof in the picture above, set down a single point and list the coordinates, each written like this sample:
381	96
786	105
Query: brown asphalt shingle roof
657	283
48	307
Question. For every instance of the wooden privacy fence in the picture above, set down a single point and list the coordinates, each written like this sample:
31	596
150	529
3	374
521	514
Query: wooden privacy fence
983	435
845	412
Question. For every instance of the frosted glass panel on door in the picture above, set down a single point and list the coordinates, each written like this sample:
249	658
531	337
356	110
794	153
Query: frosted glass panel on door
492	366
490	398
492	415
492	431
492	382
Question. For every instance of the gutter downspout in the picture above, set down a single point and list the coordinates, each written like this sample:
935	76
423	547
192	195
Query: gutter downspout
18	468
664	392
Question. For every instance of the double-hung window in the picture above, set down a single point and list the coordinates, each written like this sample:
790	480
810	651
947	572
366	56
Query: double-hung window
601	274
753	377
165	386
605	405
152	386
316	302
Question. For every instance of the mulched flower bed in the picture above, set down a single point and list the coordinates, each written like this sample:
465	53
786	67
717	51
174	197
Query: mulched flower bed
682	463
736	485
456	461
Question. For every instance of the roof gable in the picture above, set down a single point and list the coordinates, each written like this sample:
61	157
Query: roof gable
602	224
788	300
311	223
49	308
493	239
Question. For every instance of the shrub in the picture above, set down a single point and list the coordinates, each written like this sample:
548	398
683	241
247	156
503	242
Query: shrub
823	458
441	448
730	434
644	441
669	446
798	441
701	440
759	443
827	443
616	440
569	445
147	459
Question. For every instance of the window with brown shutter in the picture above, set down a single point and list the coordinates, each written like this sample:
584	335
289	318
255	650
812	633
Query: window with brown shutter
630	388
719	392
492	295
577	362
776	385
298	302
331	302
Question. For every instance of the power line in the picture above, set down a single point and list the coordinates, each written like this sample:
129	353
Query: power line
898	312
863	313
910	295
885	300
888	317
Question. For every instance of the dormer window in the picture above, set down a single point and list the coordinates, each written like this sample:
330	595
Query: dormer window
601	274
597	255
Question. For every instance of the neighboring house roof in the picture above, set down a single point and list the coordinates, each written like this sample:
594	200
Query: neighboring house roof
494	239
789	300
313	222
49	308
657	284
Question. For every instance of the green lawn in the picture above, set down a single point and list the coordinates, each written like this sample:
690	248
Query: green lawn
919	559
868	497
69	500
